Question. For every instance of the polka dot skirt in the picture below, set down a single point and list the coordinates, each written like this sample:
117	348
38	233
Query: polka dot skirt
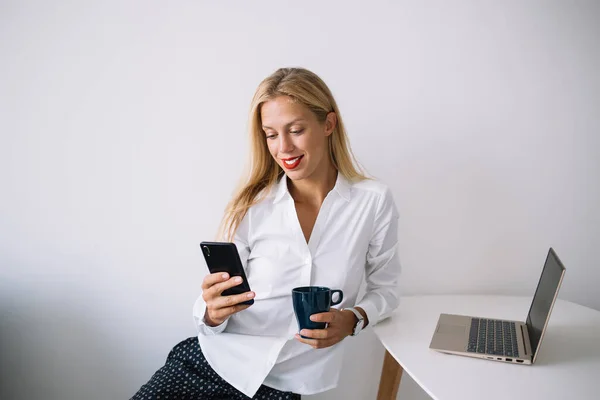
186	375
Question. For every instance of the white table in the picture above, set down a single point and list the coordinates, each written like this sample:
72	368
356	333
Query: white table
568	365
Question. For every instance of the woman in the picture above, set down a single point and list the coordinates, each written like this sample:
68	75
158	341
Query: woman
305	216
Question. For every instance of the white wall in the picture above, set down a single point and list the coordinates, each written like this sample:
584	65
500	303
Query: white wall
123	134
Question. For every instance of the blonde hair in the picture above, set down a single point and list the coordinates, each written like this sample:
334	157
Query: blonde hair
304	87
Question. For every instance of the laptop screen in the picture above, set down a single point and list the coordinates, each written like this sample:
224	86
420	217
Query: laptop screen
543	298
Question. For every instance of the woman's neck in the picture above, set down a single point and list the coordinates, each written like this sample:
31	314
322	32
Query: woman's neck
315	188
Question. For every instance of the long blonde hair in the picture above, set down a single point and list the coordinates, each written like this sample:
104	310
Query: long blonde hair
304	87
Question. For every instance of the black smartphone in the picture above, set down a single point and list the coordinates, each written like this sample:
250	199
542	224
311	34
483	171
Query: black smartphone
224	257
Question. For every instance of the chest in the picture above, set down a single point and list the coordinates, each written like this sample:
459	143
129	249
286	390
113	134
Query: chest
282	256
307	216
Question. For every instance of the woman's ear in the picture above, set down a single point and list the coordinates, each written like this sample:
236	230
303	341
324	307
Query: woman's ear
330	123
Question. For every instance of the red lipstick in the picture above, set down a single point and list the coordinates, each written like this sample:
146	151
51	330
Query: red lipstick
293	165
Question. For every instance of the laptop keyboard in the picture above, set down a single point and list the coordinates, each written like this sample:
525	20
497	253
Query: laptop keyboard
490	336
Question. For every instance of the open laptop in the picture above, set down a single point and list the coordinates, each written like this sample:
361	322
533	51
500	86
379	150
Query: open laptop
500	340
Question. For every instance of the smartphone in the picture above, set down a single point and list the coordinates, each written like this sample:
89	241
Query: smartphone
224	257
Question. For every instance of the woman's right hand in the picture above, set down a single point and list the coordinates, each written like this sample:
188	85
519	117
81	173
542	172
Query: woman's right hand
219	308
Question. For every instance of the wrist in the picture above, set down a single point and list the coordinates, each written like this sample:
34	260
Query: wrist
352	321
358	322
209	321
364	315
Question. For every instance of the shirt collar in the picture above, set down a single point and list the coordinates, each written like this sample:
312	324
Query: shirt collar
342	187
281	188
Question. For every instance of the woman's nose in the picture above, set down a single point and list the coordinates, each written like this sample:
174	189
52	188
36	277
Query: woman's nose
285	144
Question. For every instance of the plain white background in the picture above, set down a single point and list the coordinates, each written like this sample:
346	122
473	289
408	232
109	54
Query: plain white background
123	135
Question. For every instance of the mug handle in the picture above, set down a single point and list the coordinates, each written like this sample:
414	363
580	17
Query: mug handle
339	300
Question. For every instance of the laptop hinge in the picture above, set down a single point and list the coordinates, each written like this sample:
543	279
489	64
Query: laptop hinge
523	337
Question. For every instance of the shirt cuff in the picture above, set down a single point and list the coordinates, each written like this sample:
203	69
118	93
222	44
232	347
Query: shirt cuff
204	329
370	310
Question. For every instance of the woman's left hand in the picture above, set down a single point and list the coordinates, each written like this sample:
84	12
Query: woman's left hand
340	325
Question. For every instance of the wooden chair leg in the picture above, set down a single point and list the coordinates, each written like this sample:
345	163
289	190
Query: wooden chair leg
390	378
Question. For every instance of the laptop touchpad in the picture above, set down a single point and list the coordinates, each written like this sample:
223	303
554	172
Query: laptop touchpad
449	329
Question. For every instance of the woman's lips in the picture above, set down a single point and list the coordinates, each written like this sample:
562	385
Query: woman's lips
292	163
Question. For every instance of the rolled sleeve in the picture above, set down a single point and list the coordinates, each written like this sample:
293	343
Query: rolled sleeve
383	263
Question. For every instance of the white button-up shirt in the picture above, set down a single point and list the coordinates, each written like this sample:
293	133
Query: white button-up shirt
354	237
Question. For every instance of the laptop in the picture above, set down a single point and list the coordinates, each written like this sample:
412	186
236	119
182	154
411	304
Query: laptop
500	340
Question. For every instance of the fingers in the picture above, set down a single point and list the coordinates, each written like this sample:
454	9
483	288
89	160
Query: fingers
327	317
321	338
316	333
222	307
229	301
219	288
211	279
317	343
219	307
215	289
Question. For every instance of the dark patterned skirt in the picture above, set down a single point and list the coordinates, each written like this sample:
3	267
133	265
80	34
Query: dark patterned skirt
186	375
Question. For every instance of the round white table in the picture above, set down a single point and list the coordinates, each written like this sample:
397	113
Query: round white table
567	367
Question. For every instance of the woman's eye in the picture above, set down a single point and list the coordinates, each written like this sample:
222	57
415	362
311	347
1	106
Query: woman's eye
297	132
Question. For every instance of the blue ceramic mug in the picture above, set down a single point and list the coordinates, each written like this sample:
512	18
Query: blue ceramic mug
309	300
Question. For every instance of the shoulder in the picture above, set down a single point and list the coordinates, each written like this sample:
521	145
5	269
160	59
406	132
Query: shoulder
263	205
372	186
376	190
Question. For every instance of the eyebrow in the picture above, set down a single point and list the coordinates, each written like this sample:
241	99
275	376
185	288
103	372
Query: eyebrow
288	124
